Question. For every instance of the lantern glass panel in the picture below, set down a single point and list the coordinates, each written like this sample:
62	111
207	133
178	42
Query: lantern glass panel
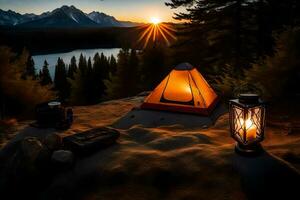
247	123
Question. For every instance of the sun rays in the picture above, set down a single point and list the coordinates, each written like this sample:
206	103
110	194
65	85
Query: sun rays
156	32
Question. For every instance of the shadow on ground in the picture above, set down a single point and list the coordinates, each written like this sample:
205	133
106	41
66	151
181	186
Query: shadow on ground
267	177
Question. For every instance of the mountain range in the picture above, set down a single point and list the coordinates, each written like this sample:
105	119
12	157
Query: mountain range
65	16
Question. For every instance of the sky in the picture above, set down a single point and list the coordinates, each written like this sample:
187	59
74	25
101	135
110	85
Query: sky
131	10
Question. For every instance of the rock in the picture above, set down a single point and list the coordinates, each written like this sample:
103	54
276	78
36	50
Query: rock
53	142
62	159
22	165
31	148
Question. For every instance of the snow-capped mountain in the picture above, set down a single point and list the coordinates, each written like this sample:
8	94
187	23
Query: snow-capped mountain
62	17
103	19
12	18
65	16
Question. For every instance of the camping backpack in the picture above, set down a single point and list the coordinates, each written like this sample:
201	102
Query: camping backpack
53	115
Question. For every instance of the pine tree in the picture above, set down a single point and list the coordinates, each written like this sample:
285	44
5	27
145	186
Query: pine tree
105	66
126	80
153	67
89	65
133	73
99	76
90	91
40	75
112	65
82	64
60	80
72	67
79	94
230	32
30	69
45	78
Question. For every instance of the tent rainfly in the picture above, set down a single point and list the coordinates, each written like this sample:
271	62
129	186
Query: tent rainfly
183	90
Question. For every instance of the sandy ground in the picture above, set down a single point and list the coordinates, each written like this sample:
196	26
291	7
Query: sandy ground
173	162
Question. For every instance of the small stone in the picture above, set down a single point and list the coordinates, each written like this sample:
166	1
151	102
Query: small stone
31	148
62	159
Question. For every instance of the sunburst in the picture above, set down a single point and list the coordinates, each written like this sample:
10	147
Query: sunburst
156	31
155	20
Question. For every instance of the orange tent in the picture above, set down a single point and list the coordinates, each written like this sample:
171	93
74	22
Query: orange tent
183	90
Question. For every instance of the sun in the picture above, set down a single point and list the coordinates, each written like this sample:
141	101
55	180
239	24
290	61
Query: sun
155	20
156	31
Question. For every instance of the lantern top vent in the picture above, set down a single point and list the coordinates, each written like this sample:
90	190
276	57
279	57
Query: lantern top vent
249	98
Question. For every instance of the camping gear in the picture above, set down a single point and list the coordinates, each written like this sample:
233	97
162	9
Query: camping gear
183	90
53	115
247	123
91	140
54	104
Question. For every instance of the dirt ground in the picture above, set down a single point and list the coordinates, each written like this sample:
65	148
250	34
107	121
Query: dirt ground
172	162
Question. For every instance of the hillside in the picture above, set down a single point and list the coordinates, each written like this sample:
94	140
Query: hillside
172	162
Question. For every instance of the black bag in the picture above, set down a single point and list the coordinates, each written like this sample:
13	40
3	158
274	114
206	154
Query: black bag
53	115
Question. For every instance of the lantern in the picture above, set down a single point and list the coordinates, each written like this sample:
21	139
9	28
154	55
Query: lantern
247	122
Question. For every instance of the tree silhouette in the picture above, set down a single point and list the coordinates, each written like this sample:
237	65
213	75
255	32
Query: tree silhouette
82	64
60	80
99	75
105	66
72	67
154	66
79	91
126	80
229	32
30	68
89	84
112	64
44	75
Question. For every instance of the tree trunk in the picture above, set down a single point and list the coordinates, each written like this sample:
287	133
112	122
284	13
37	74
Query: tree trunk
237	27
260	31
2	107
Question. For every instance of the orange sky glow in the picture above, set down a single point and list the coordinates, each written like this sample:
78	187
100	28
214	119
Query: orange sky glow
125	10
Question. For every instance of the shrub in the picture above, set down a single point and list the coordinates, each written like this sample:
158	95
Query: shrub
17	94
275	75
272	77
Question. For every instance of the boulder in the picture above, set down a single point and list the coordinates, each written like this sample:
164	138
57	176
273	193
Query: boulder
31	148
62	159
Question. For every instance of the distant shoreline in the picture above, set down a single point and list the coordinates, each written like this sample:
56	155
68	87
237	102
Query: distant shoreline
39	41
67	50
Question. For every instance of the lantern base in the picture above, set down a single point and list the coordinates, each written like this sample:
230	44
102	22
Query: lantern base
249	150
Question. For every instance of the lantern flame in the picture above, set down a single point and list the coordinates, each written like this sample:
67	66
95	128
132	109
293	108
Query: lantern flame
249	127
247	123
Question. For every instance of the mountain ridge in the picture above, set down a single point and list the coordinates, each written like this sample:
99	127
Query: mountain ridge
65	16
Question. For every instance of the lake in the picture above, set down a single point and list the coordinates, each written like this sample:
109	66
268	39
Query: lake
52	58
